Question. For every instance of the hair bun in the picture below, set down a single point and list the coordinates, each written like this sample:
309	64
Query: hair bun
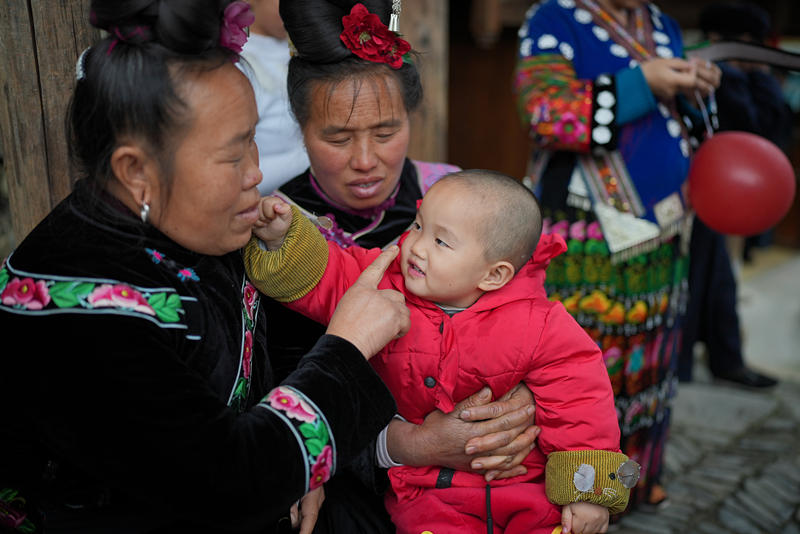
314	26
182	26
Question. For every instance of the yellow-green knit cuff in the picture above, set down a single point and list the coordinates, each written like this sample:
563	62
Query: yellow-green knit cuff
293	270
598	477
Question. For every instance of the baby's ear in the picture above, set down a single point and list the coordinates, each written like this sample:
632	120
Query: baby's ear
498	275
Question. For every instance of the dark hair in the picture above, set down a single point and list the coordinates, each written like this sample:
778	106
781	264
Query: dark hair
314	27
513	222
733	19
131	80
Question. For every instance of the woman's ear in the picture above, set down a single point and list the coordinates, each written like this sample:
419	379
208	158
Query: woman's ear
498	275
136	176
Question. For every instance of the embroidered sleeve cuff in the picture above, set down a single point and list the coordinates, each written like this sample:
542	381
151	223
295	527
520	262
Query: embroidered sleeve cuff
293	270
311	429
639	99
598	477
604	113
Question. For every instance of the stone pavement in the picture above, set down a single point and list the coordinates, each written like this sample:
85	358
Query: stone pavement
732	463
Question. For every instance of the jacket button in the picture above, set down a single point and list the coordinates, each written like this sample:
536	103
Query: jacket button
430	381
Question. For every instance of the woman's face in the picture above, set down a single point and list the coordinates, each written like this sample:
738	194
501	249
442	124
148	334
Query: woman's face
213	201
357	139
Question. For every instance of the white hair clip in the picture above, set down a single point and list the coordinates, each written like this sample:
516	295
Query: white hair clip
80	72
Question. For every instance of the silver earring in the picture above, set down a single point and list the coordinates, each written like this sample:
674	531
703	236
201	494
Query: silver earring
394	18
145	212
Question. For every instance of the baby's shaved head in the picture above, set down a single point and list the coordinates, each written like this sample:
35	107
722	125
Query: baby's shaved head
511	220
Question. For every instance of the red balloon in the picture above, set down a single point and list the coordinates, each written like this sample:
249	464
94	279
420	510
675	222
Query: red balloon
740	183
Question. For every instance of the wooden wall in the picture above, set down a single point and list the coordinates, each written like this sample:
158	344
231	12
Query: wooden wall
40	41
425	24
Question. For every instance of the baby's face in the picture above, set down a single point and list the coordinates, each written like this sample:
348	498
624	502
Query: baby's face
442	257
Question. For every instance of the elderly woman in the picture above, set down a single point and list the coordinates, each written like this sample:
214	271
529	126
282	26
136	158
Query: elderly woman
139	397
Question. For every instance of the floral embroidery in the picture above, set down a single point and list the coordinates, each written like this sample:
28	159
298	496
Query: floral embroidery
248	354
155	255
183	273
555	104
312	430
119	296
322	468
26	293
241	390
37	294
284	399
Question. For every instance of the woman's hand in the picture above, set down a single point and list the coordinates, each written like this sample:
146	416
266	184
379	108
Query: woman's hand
274	219
709	76
368	317
669	76
584	518
305	515
488	437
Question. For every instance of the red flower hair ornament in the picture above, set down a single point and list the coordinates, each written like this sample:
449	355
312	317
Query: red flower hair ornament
368	38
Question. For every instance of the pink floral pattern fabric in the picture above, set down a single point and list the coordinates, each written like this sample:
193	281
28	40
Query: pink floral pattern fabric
29	293
241	389
311	429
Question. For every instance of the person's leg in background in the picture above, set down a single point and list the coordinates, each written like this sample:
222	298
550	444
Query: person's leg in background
712	316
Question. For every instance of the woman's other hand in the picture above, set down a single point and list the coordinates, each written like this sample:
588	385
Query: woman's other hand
368	317
709	76
306	513
274	219
492	438
669	76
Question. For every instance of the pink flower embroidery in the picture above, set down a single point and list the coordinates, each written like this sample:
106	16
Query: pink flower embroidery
282	398
560	228
593	231
250	296
119	296
26	292
321	470
248	353
577	230
569	129
235	18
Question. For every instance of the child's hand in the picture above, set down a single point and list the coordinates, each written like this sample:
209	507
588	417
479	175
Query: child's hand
584	518
274	219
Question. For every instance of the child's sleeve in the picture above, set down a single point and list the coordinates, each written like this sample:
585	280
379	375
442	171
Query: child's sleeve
575	410
294	269
307	273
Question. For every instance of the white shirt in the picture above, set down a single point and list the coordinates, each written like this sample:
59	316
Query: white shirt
281	152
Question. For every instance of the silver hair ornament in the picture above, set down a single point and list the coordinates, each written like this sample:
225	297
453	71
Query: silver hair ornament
394	18
80	70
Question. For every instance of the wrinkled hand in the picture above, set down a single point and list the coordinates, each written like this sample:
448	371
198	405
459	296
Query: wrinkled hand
274	219
368	317
709	76
669	76
305	515
584	518
501	432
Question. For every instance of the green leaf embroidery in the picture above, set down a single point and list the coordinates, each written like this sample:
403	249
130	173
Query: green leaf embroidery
69	294
315	446
3	278
166	308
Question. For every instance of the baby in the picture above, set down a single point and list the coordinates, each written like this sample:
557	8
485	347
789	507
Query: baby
472	268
